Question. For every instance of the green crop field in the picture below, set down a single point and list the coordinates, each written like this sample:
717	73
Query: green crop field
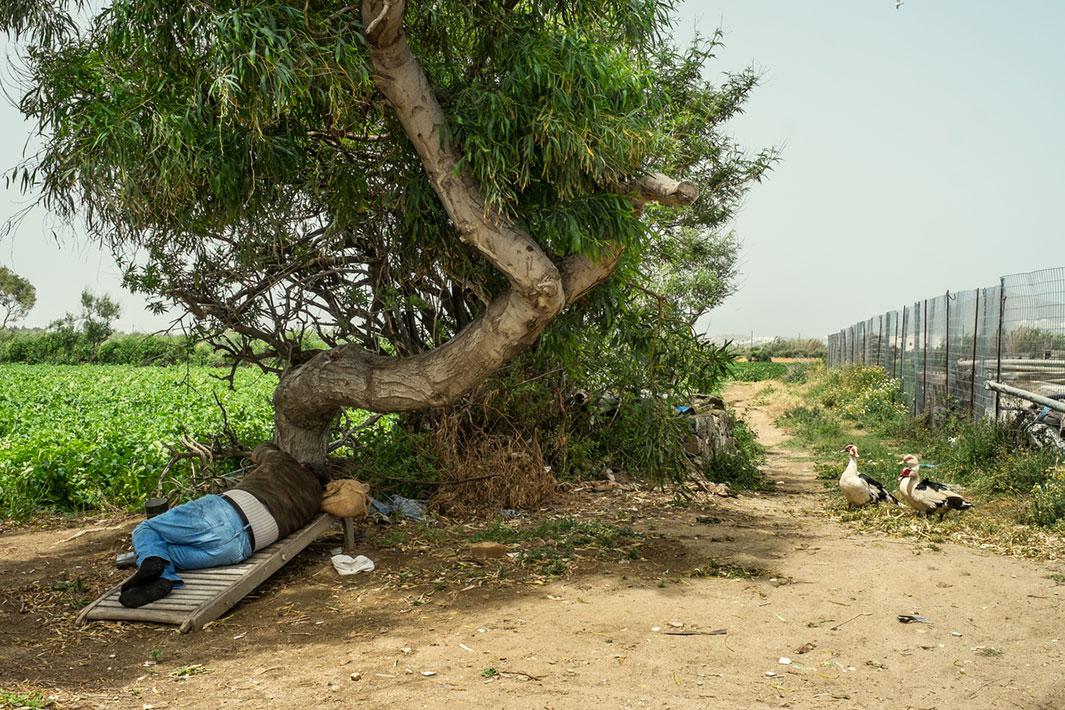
87	436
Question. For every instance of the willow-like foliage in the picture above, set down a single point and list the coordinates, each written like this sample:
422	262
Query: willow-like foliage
237	158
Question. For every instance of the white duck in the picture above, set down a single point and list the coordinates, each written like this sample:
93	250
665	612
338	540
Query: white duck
858	488
927	496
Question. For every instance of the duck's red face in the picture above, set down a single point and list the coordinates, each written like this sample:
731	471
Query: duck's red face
851	449
905	473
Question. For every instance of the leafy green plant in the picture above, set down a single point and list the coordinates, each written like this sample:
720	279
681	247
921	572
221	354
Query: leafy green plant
15	700
74	438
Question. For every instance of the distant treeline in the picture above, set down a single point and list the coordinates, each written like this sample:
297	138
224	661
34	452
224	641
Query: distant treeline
69	347
785	347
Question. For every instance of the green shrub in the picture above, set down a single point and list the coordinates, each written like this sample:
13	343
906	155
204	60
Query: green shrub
67	346
865	395
742	469
757	355
1047	506
395	460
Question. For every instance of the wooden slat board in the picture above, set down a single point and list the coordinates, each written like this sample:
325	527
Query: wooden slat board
209	593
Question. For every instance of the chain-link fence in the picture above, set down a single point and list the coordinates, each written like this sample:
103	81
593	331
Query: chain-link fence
944	349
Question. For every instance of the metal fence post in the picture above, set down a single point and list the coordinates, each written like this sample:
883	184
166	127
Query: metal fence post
998	366
895	350
972	375
946	357
880	342
924	383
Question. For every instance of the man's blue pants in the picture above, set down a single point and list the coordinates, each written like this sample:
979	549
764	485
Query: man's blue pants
206	532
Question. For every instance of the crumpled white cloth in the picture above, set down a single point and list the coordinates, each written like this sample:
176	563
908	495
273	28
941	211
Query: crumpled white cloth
346	564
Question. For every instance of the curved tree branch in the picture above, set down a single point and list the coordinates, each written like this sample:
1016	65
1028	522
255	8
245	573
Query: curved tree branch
308	398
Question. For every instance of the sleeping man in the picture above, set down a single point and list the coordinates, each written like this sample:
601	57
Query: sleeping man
277	498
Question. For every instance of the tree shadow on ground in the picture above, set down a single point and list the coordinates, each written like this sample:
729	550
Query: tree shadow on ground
420	581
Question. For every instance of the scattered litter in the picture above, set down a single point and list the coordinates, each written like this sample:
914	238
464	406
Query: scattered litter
770	674
398	505
914	618
427	674
239	636
955	633
806	647
677	624
464	647
876	664
347	565
656	629
784	661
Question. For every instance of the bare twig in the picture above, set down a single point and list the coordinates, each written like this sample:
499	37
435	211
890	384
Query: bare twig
836	627
346	436
530	676
380	17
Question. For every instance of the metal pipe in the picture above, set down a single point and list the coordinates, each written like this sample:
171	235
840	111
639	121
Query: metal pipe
1054	404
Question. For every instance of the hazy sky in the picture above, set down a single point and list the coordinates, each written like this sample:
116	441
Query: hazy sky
923	149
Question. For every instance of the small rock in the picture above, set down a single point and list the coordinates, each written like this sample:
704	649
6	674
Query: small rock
488	550
955	633
806	648
428	673
677	624
656	629
770	674
784	661
356	676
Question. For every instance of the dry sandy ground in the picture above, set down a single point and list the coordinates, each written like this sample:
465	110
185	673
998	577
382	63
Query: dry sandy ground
828	600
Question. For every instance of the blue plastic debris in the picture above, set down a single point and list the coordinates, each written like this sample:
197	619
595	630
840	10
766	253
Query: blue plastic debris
398	505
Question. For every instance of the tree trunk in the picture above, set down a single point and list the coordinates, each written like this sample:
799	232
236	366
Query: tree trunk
311	396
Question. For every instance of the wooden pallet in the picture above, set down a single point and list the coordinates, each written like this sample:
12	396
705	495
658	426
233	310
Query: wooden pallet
209	593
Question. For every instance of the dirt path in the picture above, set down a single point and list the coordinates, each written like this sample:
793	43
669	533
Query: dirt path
822	595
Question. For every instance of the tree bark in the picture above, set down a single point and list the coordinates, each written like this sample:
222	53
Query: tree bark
309	397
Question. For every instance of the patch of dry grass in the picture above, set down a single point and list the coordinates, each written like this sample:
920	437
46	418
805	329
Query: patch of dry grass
990	526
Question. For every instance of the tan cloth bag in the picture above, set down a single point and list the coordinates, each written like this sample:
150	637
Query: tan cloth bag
345	498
